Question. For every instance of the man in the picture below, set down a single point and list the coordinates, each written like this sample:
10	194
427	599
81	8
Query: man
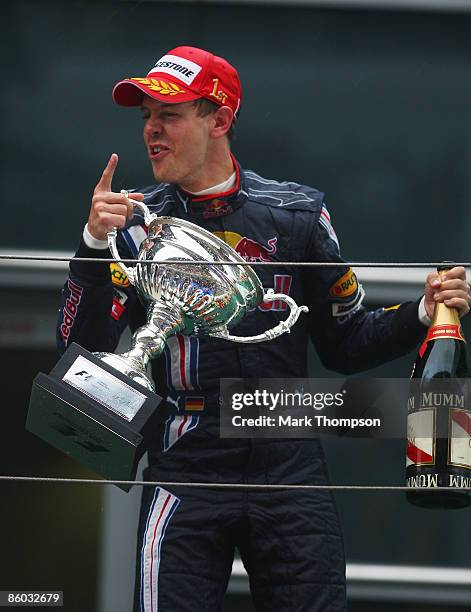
290	542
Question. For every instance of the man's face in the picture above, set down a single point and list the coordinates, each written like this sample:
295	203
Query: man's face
177	142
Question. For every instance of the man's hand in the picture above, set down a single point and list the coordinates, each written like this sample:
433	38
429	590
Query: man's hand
451	288
109	209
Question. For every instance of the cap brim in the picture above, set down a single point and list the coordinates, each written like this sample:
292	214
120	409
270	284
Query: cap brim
130	92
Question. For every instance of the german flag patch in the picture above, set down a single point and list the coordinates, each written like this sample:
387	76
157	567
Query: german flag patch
194	404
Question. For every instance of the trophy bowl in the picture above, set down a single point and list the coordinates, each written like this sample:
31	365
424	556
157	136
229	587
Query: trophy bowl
191	282
211	297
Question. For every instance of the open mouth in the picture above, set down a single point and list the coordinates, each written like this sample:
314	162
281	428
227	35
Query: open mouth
157	151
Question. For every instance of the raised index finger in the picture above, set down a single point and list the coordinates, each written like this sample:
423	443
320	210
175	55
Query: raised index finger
104	184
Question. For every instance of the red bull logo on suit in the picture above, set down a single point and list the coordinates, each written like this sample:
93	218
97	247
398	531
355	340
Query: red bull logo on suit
216	208
247	248
252	251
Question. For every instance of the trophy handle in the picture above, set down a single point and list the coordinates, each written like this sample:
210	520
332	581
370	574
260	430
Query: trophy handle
114	251
148	218
282	327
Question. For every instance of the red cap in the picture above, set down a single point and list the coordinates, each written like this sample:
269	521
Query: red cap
184	74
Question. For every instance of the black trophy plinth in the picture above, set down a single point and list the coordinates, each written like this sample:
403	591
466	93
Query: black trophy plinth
93	413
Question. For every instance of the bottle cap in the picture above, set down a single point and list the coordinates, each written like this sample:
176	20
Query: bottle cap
446	265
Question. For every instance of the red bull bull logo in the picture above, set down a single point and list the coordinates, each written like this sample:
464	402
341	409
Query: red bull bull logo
253	251
247	248
216	208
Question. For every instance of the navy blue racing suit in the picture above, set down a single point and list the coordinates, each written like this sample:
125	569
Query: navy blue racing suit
290	541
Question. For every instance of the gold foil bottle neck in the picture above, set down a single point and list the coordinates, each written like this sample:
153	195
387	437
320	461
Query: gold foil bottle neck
443	314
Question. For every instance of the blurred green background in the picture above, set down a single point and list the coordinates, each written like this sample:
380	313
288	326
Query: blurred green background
372	107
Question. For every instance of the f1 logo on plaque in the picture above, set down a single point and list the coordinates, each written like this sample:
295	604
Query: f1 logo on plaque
98	408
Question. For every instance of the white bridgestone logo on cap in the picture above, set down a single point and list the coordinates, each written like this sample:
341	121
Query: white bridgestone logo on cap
182	69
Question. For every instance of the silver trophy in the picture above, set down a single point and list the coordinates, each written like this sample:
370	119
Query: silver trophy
188	298
99	407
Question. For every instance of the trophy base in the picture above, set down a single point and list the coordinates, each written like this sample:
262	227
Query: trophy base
93	413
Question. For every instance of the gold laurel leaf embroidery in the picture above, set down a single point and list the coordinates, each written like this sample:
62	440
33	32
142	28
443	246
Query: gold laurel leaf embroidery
166	89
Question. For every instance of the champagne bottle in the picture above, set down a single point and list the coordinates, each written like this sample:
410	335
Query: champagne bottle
439	415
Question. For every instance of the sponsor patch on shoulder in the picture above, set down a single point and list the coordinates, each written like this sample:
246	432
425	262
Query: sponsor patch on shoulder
347	308
346	285
118	276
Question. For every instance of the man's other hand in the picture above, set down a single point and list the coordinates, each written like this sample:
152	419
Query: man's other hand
451	288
